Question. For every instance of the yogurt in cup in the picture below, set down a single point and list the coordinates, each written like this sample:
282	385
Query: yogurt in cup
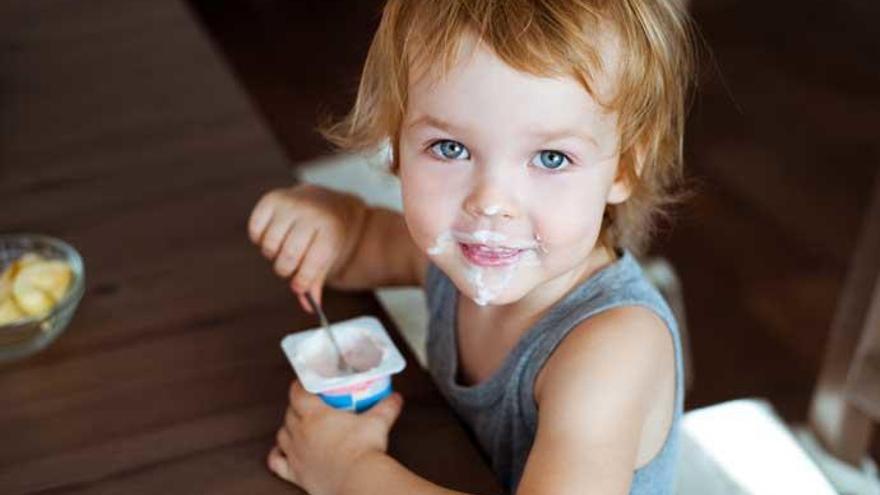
367	348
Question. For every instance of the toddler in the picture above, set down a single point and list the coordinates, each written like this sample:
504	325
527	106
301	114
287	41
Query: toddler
536	141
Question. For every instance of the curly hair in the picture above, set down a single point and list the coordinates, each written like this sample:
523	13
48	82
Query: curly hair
552	38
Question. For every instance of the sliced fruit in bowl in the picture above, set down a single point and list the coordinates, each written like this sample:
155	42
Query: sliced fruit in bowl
31	286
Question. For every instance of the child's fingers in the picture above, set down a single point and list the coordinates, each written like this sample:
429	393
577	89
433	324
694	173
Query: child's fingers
277	463
302	402
315	264
275	234
293	249
260	218
317	289
290	419
283	440
303	302
387	410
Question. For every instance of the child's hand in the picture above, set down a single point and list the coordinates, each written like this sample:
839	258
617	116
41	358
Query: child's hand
309	232
318	445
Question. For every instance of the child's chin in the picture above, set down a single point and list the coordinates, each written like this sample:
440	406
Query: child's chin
507	296
497	291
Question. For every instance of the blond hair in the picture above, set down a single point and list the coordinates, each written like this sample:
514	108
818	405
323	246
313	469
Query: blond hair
547	38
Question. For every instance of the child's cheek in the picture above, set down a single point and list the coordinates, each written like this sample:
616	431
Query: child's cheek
426	208
571	226
421	227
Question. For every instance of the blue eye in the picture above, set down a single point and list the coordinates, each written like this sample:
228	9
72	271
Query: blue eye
550	160
450	150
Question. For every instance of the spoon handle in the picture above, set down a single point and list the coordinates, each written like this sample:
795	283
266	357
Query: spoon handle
341	363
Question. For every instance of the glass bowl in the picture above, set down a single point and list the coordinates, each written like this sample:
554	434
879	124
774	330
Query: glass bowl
29	335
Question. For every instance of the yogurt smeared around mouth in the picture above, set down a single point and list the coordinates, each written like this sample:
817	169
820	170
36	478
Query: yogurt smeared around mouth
492	260
441	243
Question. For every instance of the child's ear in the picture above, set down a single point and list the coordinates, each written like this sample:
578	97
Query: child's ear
629	168
620	190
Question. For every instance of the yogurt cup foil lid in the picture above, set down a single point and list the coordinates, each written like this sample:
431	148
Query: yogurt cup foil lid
363	340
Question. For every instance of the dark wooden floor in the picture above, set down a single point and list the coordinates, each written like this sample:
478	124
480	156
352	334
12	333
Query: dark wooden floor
782	150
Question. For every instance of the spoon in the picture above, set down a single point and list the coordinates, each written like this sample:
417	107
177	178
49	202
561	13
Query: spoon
341	363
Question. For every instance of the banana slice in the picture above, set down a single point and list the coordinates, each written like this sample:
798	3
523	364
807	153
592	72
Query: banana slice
51	277
9	312
6	281
11	271
31	286
32	301
28	258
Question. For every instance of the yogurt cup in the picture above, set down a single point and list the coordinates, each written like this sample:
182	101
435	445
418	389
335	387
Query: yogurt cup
367	347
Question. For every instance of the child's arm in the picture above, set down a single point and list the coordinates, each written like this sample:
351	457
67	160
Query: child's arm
385	256
314	234
594	395
327	451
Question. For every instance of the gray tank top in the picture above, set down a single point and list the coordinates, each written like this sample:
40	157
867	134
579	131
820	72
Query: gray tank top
501	411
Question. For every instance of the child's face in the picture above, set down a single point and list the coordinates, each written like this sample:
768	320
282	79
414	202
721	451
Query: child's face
506	177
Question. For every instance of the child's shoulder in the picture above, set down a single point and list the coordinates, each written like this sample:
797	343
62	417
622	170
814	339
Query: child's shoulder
606	395
608	390
627	345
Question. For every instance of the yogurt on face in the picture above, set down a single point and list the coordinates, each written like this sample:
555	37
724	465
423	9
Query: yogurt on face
492	259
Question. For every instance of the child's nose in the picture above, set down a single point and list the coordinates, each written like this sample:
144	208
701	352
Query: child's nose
491	198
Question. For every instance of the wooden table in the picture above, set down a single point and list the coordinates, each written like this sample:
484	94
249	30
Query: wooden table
122	132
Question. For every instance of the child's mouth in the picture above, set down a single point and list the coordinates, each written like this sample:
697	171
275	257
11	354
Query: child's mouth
483	255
